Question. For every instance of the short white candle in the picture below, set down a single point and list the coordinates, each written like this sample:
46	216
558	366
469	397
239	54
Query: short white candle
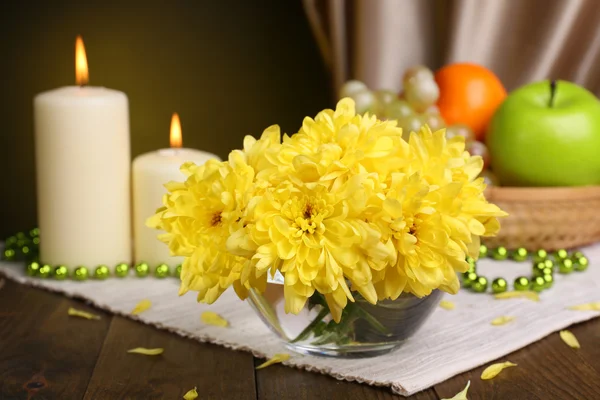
150	172
83	173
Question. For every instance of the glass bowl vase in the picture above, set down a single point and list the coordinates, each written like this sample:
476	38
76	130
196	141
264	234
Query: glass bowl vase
365	330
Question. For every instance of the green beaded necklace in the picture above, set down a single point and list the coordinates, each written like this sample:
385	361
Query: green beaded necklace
25	247
542	276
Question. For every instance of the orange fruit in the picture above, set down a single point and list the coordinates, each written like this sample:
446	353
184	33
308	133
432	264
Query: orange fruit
469	94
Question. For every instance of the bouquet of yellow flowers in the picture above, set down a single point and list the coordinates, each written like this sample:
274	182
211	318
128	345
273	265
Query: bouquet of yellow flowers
345	206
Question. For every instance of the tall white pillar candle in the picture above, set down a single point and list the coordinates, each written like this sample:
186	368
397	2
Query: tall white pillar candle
83	174
150	172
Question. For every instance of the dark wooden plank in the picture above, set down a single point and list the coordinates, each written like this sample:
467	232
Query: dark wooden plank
588	334
278	382
217	372
546	370
44	353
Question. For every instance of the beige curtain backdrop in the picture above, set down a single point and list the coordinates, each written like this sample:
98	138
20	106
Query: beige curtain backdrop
520	40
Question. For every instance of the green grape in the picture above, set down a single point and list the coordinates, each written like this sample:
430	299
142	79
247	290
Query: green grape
352	87
364	101
417	72
476	148
489	178
435	121
398	109
421	93
432	110
460	130
382	99
410	124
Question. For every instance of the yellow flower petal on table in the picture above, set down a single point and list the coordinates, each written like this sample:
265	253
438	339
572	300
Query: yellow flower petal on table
494	369
277	358
141	307
147	352
595	306
82	314
570	339
191	395
212	318
447	305
462	395
505	319
527	294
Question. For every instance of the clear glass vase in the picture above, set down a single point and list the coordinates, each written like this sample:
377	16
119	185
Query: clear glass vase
364	330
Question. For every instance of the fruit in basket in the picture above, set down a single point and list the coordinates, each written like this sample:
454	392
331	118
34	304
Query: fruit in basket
476	148
364	99
420	89
547	134
412	108
460	130
382	99
397	109
434	120
469	94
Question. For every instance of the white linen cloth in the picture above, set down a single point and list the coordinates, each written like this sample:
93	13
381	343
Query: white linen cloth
450	342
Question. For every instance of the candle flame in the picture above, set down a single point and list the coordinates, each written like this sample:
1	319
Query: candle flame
81	67
175	137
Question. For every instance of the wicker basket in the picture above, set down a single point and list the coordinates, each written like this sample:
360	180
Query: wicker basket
546	218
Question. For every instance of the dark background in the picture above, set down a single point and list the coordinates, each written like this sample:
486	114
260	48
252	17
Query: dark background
230	68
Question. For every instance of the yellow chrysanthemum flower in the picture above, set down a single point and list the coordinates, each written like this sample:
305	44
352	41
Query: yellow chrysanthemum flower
198	217
338	144
343	207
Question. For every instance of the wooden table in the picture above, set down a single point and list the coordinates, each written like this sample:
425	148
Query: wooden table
44	354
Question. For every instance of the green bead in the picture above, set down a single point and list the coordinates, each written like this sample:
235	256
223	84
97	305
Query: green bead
468	278
538	284
35	232
499	285
522	283
121	270
178	270
483	251
9	254
549	263
101	272
539	268
142	269
471	261
540	255
520	254
480	285
560	255
581	264
80	274
549	280
162	271
45	271
25	250
576	254
500	253
10	241
36	241
21	235
61	272
566	266
33	268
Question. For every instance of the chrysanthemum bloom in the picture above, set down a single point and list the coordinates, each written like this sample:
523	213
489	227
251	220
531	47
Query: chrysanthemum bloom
198	217
344	206
338	144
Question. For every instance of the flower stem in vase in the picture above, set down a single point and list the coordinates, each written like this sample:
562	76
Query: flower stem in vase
325	330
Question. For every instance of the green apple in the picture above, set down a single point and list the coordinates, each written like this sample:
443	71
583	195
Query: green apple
546	134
